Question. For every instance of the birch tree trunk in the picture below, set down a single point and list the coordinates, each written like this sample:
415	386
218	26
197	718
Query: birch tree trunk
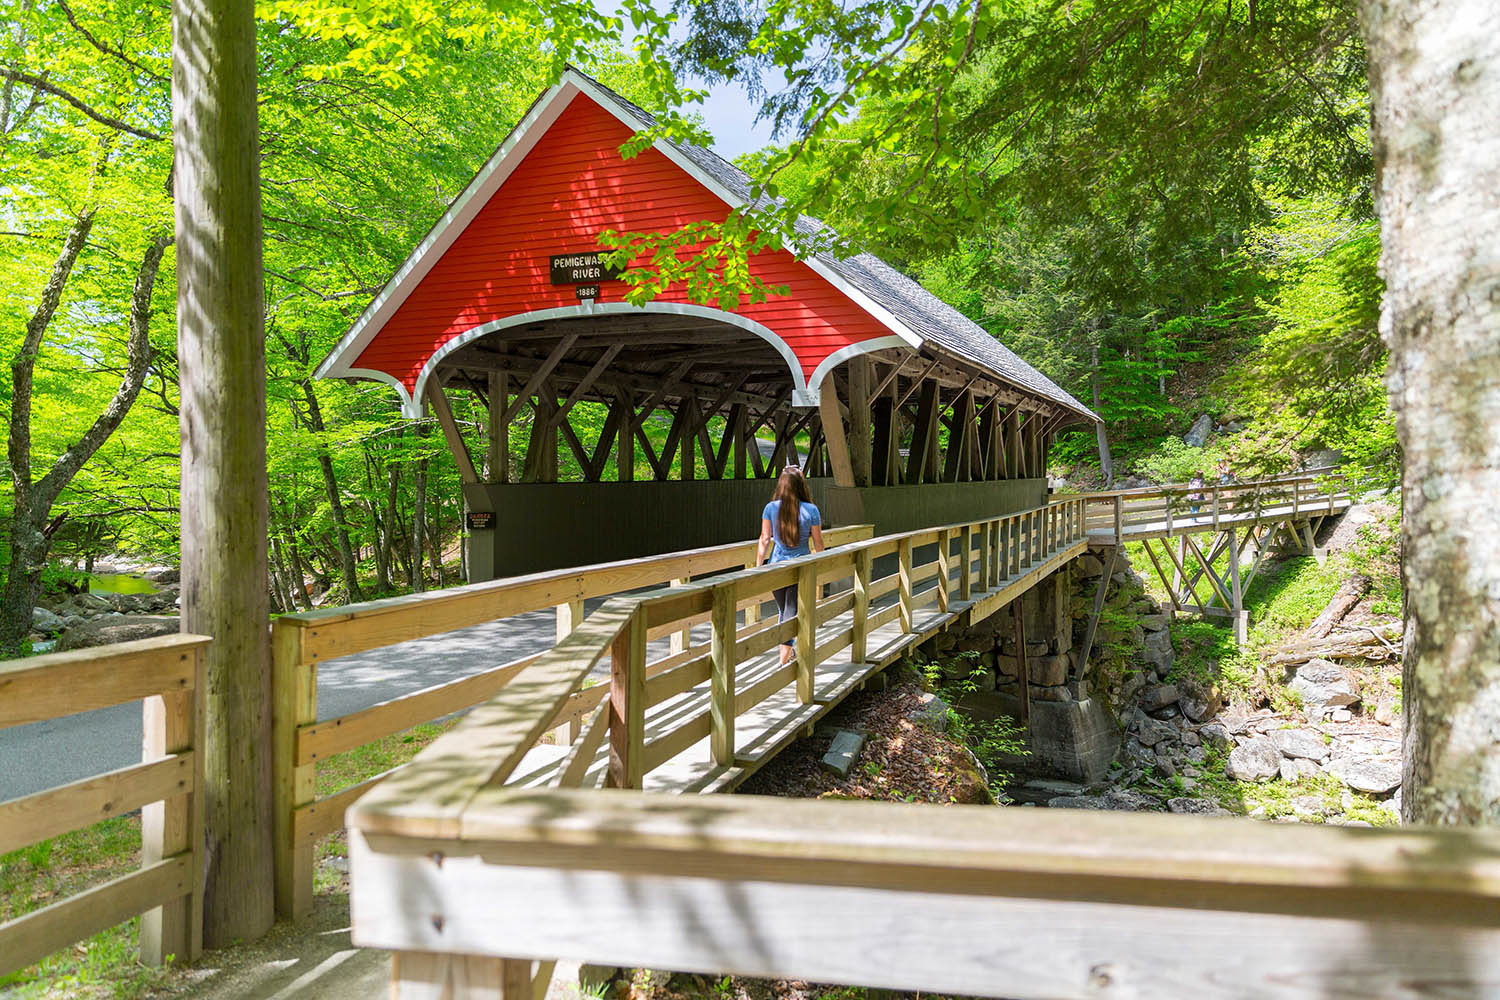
1435	84
221	352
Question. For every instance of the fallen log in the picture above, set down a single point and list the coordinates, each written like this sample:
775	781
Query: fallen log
1350	594
1378	642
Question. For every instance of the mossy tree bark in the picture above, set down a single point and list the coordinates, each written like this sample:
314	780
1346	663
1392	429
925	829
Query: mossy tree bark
1435	84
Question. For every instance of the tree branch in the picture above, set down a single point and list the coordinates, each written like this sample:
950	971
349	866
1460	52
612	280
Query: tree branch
139	353
37	83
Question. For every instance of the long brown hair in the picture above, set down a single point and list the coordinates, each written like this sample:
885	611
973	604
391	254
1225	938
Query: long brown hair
791	490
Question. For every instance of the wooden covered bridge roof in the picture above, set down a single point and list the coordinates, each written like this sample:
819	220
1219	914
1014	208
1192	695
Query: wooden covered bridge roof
477	294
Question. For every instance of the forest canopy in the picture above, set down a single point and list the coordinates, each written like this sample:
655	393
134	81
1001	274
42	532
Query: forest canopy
1166	207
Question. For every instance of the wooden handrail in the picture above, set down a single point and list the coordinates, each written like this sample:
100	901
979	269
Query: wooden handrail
166	674
1086	903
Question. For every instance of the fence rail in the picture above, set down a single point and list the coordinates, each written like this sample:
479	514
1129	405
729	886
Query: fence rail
301	642
166	675
966	900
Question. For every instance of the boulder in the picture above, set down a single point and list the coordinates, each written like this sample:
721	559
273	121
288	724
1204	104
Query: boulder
1304	743
46	622
1197	435
1195	706
1322	685
1214	735
117	628
165	576
930	712
1254	760
1196	807
1150	732
1158	650
1088	566
1154	622
1159	696
1374	775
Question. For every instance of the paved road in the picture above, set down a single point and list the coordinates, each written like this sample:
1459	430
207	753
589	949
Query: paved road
39	756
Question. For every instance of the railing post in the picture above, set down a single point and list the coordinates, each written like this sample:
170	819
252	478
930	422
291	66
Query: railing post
752	610
627	704
992	565
1216	507
965	562
945	566
569	617
294	703
984	555
807	630
1119	520
721	680
680	641
860	633
173	723
903	582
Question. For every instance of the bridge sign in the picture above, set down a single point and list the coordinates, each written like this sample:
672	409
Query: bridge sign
577	268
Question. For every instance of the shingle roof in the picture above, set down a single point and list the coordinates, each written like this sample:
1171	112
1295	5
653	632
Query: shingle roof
938	324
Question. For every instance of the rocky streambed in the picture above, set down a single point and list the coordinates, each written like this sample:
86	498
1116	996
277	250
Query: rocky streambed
121	604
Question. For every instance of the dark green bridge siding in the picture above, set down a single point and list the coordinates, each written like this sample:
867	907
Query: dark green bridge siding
542	526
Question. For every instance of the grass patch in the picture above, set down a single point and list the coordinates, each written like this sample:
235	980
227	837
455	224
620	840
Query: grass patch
31	878
108	964
353	766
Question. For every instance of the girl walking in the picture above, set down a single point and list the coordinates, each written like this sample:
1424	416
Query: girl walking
790	526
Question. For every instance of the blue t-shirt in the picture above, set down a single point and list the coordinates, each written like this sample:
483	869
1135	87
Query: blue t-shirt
807	519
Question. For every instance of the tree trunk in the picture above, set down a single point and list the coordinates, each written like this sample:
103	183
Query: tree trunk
419	526
222	359
28	546
335	499
1435	84
1106	463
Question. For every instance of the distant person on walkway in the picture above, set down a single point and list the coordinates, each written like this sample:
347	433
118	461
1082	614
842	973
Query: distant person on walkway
790	526
1195	498
1225	476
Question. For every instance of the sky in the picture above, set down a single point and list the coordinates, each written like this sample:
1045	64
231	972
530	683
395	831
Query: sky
731	118
729	113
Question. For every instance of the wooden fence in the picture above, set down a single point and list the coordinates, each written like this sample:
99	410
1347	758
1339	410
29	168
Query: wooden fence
301	642
965	900
166	674
1157	512
652	716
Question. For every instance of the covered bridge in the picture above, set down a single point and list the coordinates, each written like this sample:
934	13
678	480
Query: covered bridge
903	412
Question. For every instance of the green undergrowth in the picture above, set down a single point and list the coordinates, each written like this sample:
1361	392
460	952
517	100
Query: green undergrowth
105	965
995	743
1282	600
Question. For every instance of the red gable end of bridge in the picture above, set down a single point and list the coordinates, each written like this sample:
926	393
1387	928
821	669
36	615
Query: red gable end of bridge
570	186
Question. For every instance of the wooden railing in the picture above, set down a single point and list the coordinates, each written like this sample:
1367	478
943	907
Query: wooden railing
166	674
1167	510
959	900
973	569
301	642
